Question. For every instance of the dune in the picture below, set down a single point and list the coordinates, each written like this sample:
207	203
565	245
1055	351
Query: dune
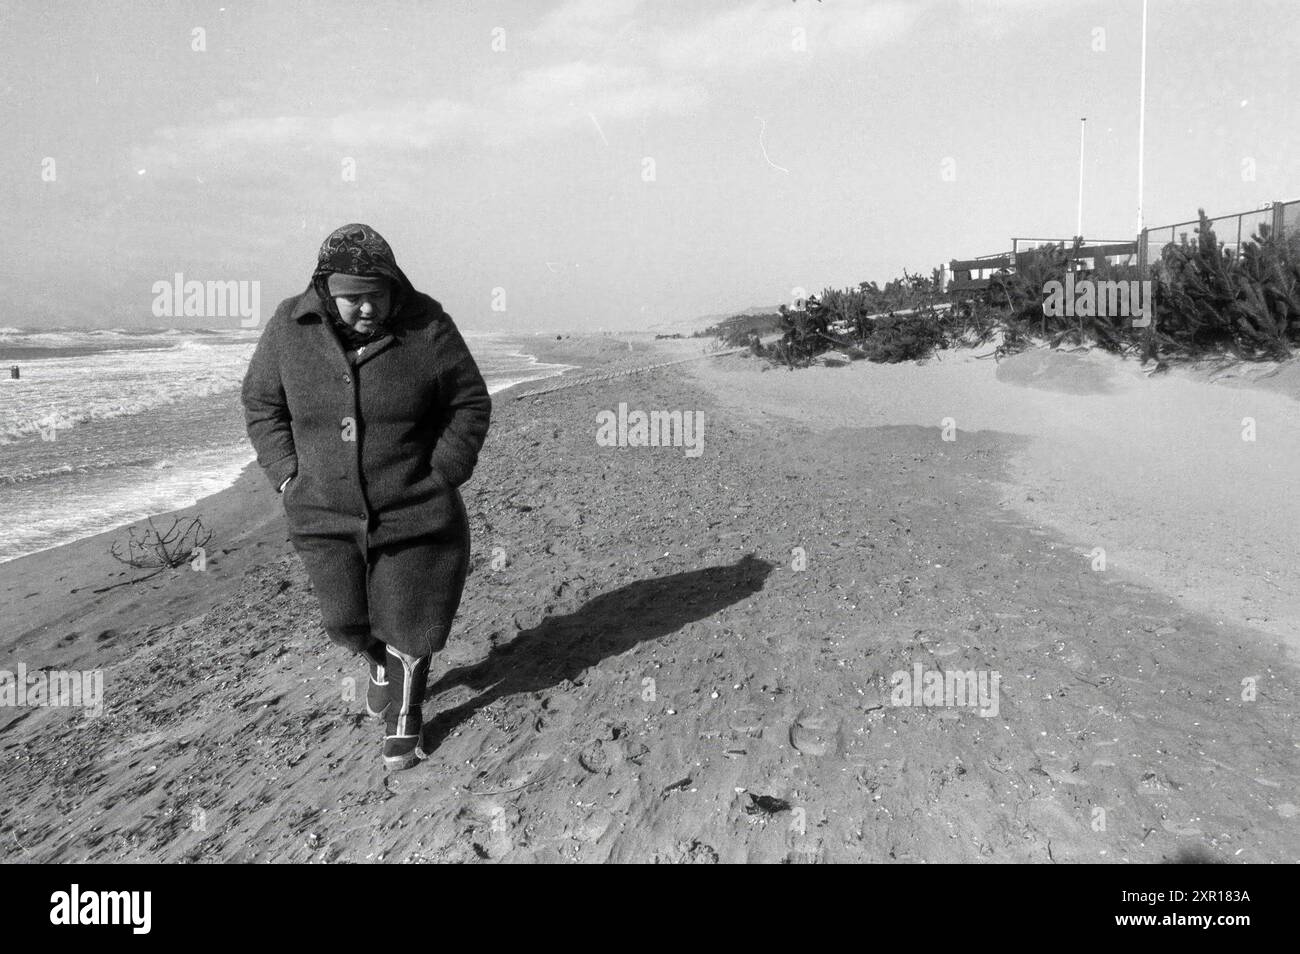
1160	472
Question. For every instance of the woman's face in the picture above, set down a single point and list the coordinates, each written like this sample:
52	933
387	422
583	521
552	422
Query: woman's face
365	311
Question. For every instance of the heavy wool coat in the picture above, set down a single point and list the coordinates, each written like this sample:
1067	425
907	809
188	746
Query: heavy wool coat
377	445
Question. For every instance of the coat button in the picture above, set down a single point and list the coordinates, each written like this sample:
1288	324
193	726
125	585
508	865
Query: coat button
347	379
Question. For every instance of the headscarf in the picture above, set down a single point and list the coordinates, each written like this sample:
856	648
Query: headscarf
358	249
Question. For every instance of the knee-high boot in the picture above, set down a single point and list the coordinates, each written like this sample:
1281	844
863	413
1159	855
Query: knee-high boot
377	685
404	718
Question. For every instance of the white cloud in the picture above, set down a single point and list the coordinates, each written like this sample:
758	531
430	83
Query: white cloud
534	103
418	124
762	34
625	59
585	22
722	40
558	96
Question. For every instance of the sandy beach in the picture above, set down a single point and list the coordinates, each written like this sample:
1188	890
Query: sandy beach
672	658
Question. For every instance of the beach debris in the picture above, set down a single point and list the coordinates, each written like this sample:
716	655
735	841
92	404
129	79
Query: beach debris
766	805
158	550
676	786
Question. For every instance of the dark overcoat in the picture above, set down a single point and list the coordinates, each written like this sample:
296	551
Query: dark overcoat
377	446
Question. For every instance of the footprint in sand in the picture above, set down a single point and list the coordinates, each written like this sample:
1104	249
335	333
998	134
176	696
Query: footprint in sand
747	720
599	755
515	774
814	734
604	755
591	828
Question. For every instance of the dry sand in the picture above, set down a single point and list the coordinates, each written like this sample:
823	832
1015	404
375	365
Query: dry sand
1154	471
638	657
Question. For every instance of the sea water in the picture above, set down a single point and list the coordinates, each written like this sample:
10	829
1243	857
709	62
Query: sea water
106	427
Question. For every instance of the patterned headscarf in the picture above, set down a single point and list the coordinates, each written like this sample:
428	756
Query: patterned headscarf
358	249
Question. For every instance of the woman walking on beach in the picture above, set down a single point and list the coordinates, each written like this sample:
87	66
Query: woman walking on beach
367	412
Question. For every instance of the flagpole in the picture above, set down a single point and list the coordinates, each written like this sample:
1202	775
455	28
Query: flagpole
1083	124
1142	116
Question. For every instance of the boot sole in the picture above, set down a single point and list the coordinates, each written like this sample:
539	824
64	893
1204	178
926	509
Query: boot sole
397	763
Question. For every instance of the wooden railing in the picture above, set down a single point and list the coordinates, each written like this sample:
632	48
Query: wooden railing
967	278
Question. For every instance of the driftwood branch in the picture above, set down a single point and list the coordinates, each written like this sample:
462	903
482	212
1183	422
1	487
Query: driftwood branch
158	550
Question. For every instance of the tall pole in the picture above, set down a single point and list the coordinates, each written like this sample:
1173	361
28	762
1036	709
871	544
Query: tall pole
1142	115
1083	124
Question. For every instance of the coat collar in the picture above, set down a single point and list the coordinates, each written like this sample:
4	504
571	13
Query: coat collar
311	308
372	349
309	305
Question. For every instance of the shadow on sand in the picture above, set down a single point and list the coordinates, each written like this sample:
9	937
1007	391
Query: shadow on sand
562	647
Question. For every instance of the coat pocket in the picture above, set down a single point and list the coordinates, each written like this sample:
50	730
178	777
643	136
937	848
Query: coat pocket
429	486
290	492
439	480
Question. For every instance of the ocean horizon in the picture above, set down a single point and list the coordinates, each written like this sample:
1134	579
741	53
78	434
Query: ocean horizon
104	427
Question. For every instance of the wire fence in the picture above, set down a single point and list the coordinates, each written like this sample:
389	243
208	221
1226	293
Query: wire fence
1233	230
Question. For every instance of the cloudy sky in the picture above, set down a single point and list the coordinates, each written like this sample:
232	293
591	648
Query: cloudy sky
610	163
